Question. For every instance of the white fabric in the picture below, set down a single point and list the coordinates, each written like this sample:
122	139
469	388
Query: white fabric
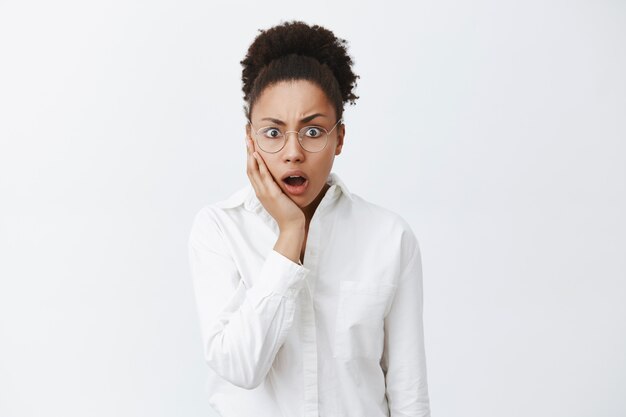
339	335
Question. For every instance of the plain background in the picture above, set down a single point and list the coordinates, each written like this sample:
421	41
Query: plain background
496	128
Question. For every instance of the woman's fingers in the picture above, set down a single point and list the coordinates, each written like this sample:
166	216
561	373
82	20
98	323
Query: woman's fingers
252	166
266	175
260	176
262	168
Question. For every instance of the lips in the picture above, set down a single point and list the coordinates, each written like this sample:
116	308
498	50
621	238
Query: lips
294	173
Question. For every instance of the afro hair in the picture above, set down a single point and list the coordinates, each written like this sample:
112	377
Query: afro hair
293	50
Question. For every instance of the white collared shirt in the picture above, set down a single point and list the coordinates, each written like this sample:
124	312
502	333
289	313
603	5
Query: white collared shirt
339	335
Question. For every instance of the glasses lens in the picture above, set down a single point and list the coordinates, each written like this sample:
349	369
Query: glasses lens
270	139
313	138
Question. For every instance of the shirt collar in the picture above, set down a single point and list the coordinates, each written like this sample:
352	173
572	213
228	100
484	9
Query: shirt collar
247	197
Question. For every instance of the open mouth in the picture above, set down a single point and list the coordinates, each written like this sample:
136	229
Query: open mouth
295	181
296	184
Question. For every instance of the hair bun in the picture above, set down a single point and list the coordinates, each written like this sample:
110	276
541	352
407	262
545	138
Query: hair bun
298	38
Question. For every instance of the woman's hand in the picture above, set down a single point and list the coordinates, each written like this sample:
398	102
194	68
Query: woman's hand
286	213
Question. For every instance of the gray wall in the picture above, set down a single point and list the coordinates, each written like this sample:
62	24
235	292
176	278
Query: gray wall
496	128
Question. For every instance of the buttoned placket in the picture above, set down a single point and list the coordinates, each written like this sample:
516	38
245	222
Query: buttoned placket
308	328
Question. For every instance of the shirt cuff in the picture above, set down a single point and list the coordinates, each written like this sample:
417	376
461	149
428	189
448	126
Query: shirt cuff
280	275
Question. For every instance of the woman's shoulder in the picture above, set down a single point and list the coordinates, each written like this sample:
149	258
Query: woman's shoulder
236	199
211	215
380	213
382	220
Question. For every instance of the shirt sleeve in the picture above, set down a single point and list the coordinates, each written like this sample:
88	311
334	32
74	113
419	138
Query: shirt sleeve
242	327
404	357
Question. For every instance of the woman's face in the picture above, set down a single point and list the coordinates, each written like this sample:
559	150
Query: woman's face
287	103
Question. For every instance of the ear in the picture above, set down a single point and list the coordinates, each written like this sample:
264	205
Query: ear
341	132
248	131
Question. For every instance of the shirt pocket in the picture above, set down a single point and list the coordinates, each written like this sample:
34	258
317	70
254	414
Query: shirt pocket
361	311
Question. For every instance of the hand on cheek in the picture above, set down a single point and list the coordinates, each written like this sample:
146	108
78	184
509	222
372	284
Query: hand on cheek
286	213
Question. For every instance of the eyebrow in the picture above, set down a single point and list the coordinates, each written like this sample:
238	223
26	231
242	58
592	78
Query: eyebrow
305	120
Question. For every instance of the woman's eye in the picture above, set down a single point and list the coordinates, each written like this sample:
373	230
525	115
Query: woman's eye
271	132
313	132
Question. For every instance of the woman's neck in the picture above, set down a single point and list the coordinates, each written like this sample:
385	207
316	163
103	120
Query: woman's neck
310	209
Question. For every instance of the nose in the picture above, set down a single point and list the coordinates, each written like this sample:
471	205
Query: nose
293	150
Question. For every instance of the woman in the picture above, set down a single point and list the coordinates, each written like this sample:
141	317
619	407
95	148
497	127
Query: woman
309	296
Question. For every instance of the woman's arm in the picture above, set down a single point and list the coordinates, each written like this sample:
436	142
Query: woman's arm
242	327
404	358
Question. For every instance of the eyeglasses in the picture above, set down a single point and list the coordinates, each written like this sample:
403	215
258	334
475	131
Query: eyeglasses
312	138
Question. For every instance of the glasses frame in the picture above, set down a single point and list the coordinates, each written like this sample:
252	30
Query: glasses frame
286	136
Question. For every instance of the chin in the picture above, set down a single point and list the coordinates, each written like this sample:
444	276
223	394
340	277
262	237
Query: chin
305	199
300	201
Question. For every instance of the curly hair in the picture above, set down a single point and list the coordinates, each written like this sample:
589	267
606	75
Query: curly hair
294	50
